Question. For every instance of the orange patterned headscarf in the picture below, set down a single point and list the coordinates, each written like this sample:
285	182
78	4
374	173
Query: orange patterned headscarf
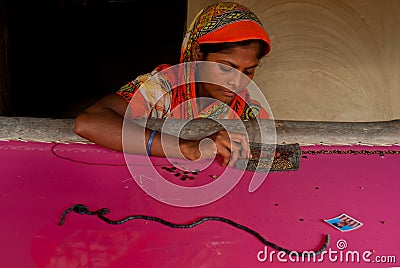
217	23
223	22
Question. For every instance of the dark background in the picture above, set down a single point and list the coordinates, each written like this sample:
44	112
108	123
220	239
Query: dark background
66	54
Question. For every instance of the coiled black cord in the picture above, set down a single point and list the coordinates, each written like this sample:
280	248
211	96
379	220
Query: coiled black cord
83	210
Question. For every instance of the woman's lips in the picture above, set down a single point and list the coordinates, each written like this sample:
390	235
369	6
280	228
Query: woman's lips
228	93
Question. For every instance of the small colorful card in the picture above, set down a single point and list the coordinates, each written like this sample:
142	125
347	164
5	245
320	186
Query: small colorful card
344	223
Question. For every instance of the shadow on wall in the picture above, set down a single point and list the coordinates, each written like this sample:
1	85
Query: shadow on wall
67	54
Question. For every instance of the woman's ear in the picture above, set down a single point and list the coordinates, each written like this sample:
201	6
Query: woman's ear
197	55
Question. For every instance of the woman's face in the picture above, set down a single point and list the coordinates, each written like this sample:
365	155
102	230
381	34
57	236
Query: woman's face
235	70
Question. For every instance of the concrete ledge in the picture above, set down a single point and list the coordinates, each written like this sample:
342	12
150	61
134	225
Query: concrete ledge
38	129
302	132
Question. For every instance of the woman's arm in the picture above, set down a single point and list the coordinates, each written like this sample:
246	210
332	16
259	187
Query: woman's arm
103	123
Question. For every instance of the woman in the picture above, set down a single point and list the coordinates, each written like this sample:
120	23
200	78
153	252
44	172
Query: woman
227	35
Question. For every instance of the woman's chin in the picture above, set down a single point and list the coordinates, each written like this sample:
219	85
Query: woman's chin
227	96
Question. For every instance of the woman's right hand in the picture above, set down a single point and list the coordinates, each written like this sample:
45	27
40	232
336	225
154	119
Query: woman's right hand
231	146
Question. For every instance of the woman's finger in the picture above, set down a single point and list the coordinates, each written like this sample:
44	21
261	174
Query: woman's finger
235	153
242	140
223	151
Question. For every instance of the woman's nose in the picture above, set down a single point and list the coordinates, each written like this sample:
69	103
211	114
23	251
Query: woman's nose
235	80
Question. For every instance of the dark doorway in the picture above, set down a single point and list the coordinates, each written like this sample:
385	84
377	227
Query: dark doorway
67	54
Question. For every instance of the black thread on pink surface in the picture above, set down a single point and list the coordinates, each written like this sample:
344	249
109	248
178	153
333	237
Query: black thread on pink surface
83	210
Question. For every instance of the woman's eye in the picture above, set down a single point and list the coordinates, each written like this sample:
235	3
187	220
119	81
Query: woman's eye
225	68
249	72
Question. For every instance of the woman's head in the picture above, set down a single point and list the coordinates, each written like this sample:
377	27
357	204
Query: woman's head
230	35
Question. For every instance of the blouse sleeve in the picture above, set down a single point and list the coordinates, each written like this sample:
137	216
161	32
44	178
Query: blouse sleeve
149	95
137	103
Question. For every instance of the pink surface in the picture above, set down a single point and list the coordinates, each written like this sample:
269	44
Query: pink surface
40	180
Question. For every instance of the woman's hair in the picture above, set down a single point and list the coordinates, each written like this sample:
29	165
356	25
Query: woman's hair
207	48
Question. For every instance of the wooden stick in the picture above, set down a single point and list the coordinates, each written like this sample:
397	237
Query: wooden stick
287	132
